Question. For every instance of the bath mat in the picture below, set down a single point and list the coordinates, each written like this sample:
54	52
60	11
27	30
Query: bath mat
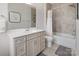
63	51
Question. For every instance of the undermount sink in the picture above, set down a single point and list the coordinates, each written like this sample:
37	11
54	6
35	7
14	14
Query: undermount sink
27	29
31	29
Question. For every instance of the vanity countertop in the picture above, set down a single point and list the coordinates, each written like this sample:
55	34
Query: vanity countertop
22	32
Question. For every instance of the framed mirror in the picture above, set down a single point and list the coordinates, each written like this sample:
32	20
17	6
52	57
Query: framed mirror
33	17
77	12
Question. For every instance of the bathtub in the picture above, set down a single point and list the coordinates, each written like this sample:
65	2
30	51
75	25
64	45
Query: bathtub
65	40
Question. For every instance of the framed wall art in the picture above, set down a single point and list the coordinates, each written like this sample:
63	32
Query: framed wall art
14	17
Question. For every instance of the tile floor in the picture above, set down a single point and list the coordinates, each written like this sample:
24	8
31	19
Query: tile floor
52	50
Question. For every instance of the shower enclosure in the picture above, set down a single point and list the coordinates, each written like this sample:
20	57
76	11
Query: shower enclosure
64	24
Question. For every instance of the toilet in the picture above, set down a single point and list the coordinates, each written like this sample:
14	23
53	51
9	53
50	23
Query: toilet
49	41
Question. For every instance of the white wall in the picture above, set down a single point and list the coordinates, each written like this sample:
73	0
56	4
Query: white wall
4	10
3	39
40	15
25	12
26	15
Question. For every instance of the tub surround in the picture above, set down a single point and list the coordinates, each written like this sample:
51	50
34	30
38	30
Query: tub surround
64	18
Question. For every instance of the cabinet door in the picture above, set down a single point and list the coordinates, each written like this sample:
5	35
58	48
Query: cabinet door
30	47
36	45
20	46
20	49
42	43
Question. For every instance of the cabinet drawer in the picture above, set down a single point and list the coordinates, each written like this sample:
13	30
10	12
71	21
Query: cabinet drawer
33	35
19	39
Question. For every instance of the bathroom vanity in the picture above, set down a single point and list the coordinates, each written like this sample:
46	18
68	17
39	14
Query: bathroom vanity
26	43
17	41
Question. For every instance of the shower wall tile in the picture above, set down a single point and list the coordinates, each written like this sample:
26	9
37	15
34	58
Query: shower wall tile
64	18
